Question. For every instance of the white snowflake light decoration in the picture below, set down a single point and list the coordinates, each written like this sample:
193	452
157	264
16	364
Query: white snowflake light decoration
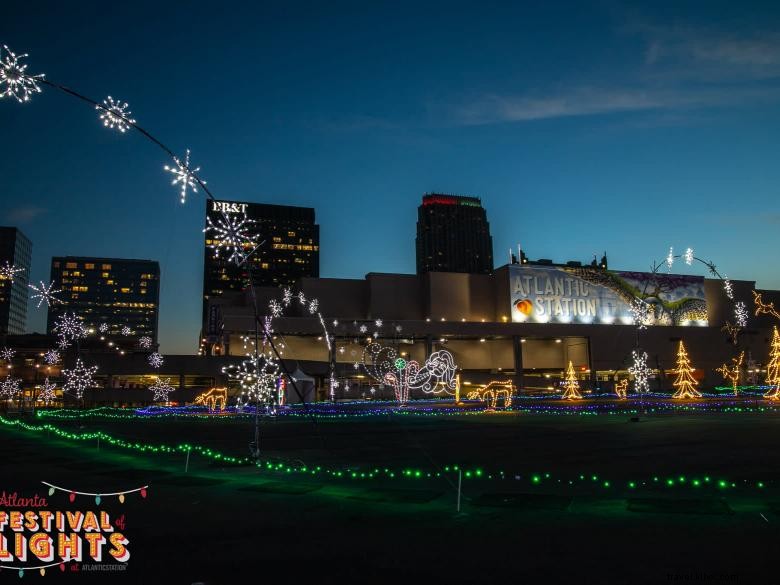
231	233
155	359
741	314
640	312
45	294
8	271
126	331
313	305
640	371
145	342
728	288
184	175
670	258
378	322
688	256
69	327
161	389
103	327
10	387
115	114
287	296
52	357
79	378
14	81
47	394
363	328
257	377
7	353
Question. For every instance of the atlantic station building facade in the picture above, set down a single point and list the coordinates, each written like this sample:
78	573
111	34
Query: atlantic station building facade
522	323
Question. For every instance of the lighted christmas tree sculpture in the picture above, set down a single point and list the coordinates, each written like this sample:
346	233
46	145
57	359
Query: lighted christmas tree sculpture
685	382
773	368
571	385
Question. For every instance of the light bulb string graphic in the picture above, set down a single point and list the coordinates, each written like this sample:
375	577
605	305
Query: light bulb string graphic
69	491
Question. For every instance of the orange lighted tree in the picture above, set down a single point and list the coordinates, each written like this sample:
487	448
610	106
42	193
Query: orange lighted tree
685	382
733	371
773	368
571	385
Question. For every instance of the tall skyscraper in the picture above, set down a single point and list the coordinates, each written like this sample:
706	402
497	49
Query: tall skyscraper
16	249
453	235
289	249
115	291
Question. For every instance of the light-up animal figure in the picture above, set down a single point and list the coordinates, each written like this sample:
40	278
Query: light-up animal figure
213	397
491	393
621	388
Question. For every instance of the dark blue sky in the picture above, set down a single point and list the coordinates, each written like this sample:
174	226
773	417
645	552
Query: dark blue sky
583	128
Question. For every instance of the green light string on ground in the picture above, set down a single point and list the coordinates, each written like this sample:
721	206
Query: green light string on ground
355	473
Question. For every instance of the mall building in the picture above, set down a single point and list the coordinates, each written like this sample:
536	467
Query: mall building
523	322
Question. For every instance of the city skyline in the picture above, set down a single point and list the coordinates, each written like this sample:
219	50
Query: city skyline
617	128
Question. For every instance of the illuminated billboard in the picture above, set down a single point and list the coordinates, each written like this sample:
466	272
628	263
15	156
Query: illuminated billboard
584	294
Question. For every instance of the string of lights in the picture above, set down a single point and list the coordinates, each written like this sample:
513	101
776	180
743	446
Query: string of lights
385	473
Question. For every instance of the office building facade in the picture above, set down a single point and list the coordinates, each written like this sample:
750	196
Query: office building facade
453	235
116	292
289	249
16	251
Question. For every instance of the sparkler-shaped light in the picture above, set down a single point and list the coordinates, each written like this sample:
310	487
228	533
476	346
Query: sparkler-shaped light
640	312
670	258
14	81
115	114
232	234
8	271
184	175
45	294
688	256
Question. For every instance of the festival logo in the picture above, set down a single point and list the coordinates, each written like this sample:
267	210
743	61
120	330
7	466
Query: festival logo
38	533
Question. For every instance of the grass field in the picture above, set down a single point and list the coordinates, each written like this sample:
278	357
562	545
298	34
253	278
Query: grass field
677	497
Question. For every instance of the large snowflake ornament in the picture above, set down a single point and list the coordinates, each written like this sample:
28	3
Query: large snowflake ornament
52	357
640	370
114	114
155	359
231	233
14	81
741	314
184	175
7	353
79	378
45	294
10	387
161	389
69	327
103	327
8	271
145	342
126	331
47	394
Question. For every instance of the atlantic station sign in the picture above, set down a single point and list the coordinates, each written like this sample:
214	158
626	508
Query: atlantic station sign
584	294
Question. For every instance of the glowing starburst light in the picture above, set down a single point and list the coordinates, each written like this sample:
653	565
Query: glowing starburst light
114	114
45	294
9	271
14	82
184	175
231	233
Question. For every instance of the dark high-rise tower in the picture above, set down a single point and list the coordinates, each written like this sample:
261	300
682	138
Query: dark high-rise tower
112	291
290	249
16	250
453	235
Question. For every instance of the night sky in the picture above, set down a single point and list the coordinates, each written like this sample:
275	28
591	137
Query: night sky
583	128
